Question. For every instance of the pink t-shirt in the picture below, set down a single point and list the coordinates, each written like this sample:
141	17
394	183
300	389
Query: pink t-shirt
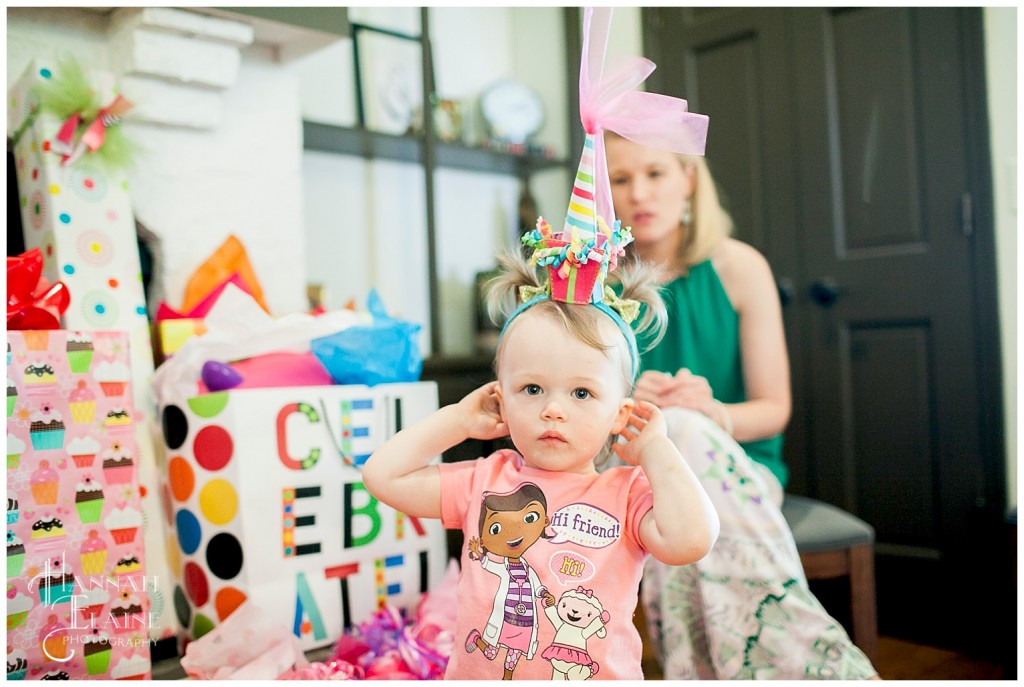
592	563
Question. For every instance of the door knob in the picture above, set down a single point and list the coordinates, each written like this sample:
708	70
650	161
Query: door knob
785	287
825	291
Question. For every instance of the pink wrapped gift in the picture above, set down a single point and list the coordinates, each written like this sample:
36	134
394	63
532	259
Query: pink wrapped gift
78	600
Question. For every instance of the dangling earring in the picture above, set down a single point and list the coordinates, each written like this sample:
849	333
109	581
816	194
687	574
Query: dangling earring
686	218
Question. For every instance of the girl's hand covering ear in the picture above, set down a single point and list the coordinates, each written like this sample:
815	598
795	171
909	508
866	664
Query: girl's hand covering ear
481	413
645	423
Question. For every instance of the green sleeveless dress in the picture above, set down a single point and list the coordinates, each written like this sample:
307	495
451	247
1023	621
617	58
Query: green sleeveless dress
703	335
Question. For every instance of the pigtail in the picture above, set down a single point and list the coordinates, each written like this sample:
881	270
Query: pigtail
638	282
501	293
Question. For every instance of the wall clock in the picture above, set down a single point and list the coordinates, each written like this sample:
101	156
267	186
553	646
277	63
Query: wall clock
512	111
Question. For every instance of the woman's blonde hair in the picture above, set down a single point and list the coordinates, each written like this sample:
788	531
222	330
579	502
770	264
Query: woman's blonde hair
638	282
711	222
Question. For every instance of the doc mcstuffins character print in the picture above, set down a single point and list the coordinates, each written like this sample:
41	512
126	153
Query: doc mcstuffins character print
509	525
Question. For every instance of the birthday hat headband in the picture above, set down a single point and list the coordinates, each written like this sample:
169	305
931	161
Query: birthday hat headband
579	258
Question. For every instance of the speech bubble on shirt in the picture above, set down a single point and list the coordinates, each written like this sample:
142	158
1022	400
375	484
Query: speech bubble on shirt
585	525
570	568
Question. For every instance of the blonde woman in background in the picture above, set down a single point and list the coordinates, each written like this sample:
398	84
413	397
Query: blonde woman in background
721	376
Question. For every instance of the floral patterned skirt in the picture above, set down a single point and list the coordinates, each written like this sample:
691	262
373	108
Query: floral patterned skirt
744	611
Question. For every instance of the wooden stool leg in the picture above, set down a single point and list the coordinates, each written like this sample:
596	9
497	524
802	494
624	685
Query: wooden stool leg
863	608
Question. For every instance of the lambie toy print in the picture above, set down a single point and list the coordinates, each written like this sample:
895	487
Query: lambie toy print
577	617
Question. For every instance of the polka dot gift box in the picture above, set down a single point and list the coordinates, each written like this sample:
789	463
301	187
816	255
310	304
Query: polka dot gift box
77	210
80	596
79	214
268	505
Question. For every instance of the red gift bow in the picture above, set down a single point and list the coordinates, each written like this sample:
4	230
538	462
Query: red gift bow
32	302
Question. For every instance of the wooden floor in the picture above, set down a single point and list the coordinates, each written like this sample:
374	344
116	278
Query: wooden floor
902	660
897	660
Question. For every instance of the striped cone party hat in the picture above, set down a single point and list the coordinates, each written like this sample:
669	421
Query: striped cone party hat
579	258
582	214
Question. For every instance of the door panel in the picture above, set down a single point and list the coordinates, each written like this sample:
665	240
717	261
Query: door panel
871	351
737	157
873	123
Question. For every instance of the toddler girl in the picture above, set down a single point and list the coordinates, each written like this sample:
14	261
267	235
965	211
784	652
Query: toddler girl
540	521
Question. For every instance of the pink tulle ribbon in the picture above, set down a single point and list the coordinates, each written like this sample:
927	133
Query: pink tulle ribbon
390	647
335	670
609	102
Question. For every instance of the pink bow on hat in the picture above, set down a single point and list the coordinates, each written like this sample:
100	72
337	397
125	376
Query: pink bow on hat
610	101
589	593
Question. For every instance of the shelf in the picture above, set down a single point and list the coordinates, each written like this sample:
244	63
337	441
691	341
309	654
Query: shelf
438	365
330	138
294	32
458	156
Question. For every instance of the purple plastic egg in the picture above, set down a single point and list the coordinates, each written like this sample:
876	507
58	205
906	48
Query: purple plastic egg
218	376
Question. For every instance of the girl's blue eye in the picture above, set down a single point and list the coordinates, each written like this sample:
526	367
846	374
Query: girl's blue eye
581	394
532	389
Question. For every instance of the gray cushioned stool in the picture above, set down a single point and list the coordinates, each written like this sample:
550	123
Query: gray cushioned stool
833	543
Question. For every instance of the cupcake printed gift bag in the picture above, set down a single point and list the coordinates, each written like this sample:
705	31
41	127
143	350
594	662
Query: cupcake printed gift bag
79	604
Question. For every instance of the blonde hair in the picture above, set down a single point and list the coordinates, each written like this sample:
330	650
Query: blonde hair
711	224
638	282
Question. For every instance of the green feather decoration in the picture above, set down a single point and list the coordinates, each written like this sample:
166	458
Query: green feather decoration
118	150
68	92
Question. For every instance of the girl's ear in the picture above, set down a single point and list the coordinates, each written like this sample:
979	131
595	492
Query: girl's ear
501	401
622	417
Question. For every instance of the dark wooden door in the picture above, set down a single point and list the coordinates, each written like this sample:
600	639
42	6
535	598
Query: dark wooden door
850	144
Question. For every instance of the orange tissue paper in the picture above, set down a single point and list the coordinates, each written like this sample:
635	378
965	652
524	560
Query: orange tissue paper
226	262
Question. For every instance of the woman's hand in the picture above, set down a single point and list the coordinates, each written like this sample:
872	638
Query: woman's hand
651	385
684	389
690	391
481	413
645	424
